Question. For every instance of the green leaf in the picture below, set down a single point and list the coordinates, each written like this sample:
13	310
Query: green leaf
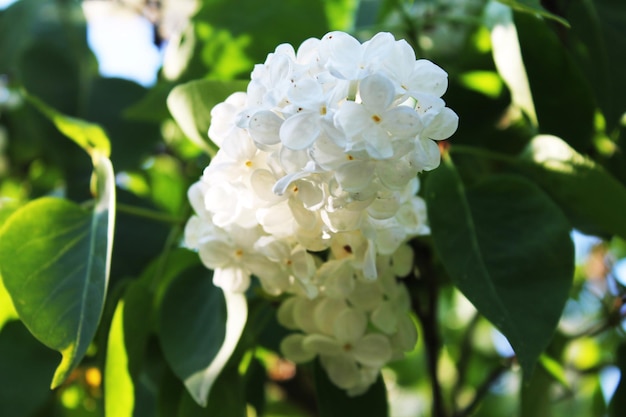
534	7
507	247
89	136
592	199
126	350
507	57
199	327
119	388
334	402
598	42
561	93
246	24
191	104
55	265
7	311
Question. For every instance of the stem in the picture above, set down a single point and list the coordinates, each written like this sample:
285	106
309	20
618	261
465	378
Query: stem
426	310
148	214
170	243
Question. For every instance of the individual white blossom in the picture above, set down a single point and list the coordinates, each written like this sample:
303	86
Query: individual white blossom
314	192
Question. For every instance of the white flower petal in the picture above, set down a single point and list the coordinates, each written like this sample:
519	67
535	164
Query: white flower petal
342	370
232	279
355	175
426	156
406	337
343	54
395	174
402	121
285	314
442	126
385	318
402	261
353	118
302	314
300	130
377	93
215	253
292	348
429	78
264	126
326	312
302	263
373	350
350	325
322	344
306	93
366	296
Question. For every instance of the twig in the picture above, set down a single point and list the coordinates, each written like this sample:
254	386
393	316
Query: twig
426	310
148	214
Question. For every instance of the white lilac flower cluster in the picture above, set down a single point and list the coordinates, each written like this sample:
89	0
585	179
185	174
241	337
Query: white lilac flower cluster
313	191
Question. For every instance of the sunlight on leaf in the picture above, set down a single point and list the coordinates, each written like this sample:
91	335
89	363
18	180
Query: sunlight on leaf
590	196
119	400
89	136
55	265
486	82
508	57
7	311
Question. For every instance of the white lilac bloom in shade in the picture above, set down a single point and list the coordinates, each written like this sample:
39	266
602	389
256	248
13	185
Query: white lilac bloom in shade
314	192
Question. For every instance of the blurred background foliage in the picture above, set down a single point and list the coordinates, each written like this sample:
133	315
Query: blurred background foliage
574	61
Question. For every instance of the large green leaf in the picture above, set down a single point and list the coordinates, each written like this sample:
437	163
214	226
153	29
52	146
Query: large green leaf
598	42
593	200
561	93
334	402
191	105
507	247
55	259
199	327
